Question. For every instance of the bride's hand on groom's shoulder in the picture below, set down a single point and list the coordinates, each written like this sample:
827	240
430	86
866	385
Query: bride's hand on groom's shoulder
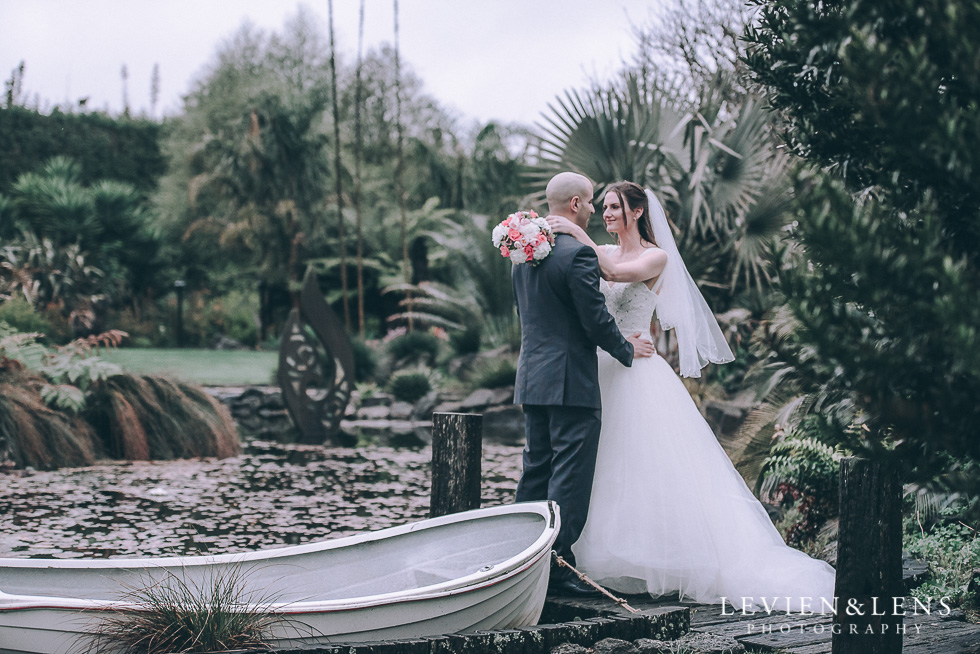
642	347
561	225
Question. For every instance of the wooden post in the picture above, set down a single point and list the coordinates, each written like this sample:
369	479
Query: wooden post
869	560
457	451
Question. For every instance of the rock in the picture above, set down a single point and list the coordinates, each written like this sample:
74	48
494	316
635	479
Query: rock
376	399
698	643
955	615
400	410
222	342
568	648
449	407
423	408
613	646
459	366
650	646
503	395
503	424
373	412
481	397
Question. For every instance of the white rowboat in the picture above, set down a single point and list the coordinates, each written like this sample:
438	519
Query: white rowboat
477	570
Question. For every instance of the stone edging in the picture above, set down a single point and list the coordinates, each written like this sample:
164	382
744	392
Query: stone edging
571	626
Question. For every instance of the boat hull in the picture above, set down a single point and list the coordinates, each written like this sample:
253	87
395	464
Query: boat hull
506	588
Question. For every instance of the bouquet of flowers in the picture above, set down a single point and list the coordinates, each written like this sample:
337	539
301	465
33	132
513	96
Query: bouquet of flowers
524	237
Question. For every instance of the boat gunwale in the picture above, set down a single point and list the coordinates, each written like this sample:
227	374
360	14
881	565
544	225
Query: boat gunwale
520	562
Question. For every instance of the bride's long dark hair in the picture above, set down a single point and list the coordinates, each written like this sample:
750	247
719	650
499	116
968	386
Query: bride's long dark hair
633	196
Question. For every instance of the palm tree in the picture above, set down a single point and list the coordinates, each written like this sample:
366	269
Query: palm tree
263	184
714	167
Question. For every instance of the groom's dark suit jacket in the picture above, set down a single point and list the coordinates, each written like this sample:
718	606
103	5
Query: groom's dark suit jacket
563	318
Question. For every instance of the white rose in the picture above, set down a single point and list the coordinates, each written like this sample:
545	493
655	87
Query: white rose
517	256
529	231
498	235
543	250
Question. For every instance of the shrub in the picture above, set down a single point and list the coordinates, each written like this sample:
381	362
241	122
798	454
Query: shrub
148	417
952	550
20	315
409	386
414	346
495	373
365	360
467	340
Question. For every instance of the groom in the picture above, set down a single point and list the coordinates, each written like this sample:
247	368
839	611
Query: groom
563	318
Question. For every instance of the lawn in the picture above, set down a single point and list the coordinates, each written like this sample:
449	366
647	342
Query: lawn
206	367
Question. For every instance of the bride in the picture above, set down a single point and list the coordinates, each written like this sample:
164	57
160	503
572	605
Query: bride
669	512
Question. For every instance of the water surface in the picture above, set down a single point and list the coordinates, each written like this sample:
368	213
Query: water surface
272	495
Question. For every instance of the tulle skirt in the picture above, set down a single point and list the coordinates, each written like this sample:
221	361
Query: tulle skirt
669	512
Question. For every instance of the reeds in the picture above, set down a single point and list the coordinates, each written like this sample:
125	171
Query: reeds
147	417
214	613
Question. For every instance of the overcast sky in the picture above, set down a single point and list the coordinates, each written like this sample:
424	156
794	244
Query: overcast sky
485	59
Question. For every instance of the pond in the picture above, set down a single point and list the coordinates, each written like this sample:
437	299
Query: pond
271	495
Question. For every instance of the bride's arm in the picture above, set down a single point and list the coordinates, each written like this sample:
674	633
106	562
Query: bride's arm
562	225
644	268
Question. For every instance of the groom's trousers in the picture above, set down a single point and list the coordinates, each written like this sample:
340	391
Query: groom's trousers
559	464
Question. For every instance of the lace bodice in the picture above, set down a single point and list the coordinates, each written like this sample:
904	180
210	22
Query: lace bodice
631	305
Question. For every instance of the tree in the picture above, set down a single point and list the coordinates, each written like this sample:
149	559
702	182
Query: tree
881	100
264	182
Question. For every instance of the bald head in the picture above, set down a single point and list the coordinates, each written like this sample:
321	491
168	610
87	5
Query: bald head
570	195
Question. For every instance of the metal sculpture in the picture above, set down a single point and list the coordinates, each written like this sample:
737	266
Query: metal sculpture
316	366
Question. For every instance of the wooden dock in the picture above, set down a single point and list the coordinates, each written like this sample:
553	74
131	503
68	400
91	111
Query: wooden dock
795	634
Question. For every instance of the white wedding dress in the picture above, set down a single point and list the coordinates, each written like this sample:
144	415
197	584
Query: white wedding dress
669	512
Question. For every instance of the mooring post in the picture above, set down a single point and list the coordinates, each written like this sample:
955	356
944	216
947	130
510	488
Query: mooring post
869	560
457	451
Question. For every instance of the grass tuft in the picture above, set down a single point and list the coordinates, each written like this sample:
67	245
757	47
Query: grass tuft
215	613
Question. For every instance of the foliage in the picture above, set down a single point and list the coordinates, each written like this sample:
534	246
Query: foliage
801	470
179	613
18	313
414	346
711	162
62	406
952	549
124	150
466	340
72	244
882	97
484	295
409	386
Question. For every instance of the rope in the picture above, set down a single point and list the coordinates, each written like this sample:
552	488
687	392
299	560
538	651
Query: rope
619	600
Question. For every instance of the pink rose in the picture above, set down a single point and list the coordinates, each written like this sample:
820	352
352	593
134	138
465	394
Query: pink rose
533	215
529	251
542	238
514	234
504	252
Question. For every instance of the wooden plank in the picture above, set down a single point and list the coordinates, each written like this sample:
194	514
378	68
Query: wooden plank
768	623
817	648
